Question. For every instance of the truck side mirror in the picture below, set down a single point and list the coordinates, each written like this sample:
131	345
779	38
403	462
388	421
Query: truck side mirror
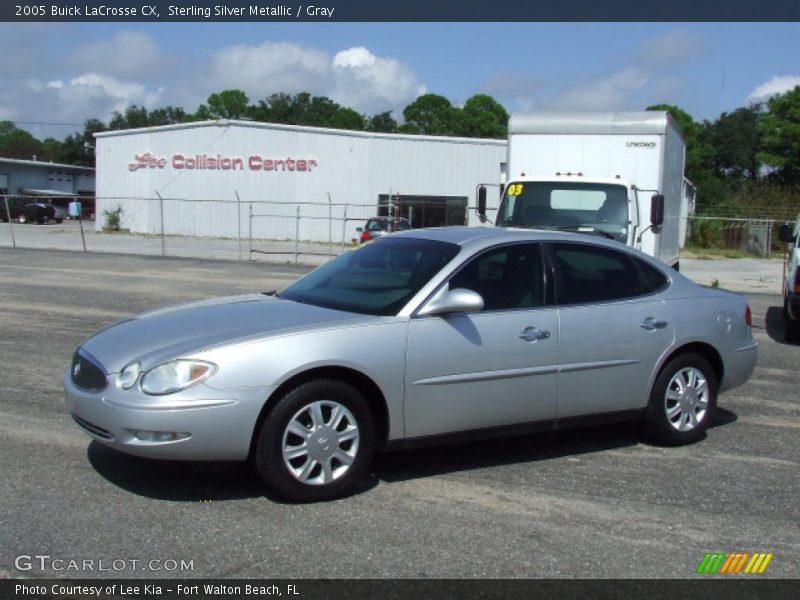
656	210
482	201
786	233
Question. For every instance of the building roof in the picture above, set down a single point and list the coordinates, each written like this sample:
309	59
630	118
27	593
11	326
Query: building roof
44	164
300	128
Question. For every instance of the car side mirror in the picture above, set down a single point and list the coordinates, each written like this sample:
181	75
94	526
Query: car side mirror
459	300
482	202
359	229
656	210
786	233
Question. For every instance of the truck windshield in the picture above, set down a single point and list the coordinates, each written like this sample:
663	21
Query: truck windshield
569	206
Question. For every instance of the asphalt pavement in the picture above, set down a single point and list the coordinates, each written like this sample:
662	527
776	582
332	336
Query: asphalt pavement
595	502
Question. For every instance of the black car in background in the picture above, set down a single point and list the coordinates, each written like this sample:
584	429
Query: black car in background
40	212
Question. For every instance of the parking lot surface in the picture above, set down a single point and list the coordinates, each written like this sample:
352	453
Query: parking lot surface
594	502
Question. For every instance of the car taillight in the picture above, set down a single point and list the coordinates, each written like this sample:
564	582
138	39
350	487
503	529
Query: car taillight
365	236
748	317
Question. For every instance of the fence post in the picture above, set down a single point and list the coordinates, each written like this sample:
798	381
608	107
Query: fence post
250	233
297	234
10	224
344	228
163	241
239	220
330	225
80	224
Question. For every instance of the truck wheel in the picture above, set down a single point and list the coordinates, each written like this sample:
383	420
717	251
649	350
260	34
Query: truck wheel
791	327
317	442
682	401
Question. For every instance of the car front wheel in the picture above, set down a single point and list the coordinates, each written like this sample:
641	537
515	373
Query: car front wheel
317	442
682	401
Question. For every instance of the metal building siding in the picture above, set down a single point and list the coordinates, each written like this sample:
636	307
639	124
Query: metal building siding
353	168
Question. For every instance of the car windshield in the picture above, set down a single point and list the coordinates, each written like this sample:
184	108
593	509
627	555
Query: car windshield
376	279
568	206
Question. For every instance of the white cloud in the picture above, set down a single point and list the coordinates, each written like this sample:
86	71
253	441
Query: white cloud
266	69
652	72
126	55
606	93
776	85
372	84
354	77
671	48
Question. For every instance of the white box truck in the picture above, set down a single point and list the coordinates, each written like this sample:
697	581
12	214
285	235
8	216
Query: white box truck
615	174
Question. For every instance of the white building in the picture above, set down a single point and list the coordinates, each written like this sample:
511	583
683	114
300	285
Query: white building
211	175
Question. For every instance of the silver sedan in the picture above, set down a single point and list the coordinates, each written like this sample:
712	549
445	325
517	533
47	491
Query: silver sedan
420	337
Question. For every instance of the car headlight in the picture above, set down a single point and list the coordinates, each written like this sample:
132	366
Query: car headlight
176	375
129	375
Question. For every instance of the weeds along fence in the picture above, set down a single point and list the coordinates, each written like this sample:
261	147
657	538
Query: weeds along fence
749	236
232	228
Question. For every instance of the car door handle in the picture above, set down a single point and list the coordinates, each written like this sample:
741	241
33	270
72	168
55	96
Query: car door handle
650	324
531	334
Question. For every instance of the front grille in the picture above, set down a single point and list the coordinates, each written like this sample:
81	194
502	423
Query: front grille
86	374
93	429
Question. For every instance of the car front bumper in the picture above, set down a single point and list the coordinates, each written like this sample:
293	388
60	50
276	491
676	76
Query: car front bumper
219	424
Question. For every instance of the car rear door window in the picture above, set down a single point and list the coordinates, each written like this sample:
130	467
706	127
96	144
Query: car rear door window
595	274
507	278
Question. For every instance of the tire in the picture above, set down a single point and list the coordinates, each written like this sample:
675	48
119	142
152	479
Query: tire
311	415
791	327
44	220
675	418
23	219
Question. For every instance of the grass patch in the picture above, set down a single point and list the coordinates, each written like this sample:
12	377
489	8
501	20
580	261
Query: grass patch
694	251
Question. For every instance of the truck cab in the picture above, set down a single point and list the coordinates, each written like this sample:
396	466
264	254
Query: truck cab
603	207
616	175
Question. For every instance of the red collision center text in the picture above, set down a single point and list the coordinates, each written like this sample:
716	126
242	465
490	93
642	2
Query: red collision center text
255	162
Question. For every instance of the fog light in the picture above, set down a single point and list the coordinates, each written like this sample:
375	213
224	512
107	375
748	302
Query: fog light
160	436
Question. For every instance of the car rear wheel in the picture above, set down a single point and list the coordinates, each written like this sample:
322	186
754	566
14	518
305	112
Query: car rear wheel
791	327
317	442
682	401
23	219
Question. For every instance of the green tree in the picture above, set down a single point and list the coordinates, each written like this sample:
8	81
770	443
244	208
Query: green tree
227	104
78	148
346	118
780	128
483	117
18	143
382	123
430	114
735	140
133	118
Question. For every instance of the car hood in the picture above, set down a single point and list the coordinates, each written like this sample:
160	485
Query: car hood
163	334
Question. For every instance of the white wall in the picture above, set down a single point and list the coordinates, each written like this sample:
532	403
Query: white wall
352	167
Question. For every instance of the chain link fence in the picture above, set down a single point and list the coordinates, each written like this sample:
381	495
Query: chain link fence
755	236
290	230
293	229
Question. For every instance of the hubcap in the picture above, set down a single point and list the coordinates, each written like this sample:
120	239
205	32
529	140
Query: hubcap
320	442
686	399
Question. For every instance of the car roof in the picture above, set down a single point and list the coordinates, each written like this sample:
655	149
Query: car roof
490	236
475	238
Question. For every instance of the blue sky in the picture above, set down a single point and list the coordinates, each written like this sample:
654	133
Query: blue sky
65	73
